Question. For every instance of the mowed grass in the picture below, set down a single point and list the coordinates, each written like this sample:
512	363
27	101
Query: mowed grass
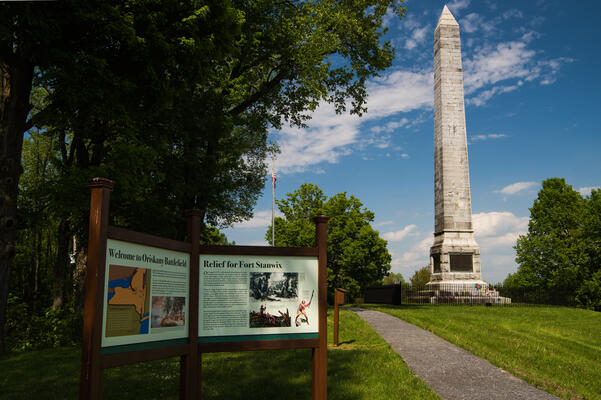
557	349
362	367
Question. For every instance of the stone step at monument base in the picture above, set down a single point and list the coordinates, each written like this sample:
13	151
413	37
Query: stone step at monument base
459	299
470	286
427	299
458	292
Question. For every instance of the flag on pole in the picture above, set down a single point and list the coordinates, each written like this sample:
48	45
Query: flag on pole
273	179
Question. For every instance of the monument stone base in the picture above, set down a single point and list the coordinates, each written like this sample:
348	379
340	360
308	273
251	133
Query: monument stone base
458	292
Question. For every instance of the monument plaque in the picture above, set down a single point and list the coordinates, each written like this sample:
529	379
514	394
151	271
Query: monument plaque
461	263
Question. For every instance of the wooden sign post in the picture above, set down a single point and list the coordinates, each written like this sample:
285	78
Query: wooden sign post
339	299
133	276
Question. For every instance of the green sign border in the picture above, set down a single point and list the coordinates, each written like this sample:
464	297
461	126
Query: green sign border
205	339
249	338
124	348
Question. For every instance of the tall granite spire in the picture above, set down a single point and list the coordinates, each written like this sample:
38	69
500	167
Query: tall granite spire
455	255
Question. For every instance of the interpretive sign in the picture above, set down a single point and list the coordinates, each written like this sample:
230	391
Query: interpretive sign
145	297
251	297
150	298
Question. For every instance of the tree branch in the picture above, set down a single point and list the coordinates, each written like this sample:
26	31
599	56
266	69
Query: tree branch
28	125
253	98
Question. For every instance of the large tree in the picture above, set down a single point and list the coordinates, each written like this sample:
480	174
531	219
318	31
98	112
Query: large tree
27	33
173	99
357	256
559	256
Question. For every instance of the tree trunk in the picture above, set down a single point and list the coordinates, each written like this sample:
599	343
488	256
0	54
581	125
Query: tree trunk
79	278
62	266
38	256
15	88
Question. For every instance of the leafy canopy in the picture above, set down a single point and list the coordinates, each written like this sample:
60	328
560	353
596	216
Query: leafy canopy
357	256
560	254
393	278
171	99
420	278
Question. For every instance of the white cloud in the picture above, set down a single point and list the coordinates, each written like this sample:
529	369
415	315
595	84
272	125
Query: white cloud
383	223
509	63
499	225
399	91
399	235
486	95
491	65
457	5
419	35
496	233
586	191
517	187
549	69
260	219
483	137
331	136
418	255
474	22
389	17
390	126
512	13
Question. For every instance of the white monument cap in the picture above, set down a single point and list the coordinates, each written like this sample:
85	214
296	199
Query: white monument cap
446	18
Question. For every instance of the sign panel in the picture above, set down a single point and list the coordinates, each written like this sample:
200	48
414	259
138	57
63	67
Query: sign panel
254	296
146	294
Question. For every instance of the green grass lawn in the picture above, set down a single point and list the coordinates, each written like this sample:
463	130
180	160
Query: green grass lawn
363	367
557	349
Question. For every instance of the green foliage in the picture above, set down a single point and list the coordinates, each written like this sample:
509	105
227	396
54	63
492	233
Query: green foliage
589	293
357	256
393	279
174	100
52	328
211	235
420	278
560	255
171	100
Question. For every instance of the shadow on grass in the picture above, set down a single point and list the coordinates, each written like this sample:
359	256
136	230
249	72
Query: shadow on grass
279	375
286	374
345	380
43	374
147	380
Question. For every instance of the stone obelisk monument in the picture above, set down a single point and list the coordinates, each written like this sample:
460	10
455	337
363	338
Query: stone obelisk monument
455	255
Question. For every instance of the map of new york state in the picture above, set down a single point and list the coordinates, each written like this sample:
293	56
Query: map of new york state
128	301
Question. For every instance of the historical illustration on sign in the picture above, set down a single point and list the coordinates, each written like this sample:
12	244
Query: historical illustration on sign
301	312
273	286
168	311
263	319
128	301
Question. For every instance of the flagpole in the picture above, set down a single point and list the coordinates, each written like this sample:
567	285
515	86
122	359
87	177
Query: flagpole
273	178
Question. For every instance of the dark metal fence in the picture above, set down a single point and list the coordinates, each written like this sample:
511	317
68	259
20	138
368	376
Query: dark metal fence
386	294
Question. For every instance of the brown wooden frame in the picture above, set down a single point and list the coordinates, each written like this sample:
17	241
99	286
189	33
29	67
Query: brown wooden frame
190	353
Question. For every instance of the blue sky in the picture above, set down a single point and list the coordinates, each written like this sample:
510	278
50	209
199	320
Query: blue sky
533	111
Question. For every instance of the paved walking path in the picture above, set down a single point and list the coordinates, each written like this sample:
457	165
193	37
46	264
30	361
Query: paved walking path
451	372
